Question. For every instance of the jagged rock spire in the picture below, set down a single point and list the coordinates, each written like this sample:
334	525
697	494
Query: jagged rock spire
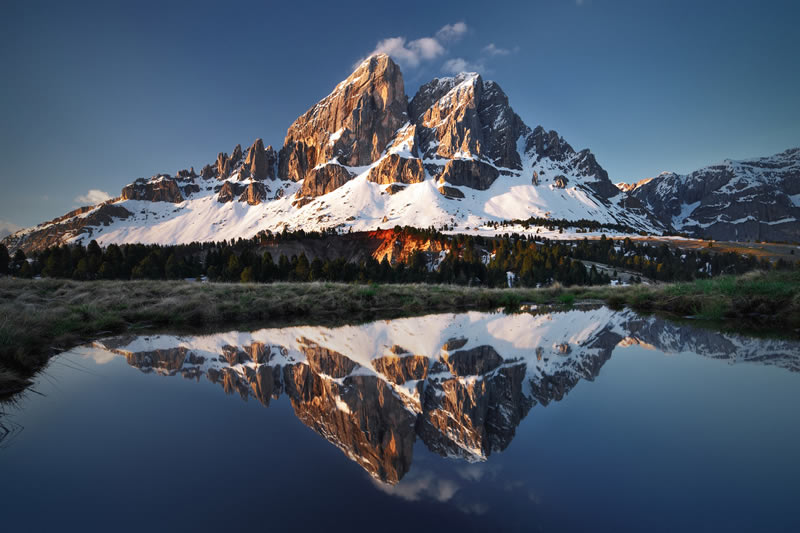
352	125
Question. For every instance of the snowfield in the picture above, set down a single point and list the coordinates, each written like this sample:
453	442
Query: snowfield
362	205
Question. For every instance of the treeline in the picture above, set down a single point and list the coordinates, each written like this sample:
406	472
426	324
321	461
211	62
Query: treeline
581	225
463	259
662	263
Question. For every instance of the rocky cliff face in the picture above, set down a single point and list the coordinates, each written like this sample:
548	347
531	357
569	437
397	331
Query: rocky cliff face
752	200
352	125
460	130
473	174
161	189
468	118
397	169
324	179
254	194
261	162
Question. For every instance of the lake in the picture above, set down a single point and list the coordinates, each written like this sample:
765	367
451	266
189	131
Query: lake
588	419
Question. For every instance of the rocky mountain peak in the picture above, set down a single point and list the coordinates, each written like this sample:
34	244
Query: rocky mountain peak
352	125
260	162
548	144
465	116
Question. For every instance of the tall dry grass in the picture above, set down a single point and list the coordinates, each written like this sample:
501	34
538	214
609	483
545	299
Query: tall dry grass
41	317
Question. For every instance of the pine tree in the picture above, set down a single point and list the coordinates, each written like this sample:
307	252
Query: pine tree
19	260
302	269
172	268
233	269
81	271
247	275
4	260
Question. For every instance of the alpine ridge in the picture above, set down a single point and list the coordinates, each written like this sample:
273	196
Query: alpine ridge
455	157
752	200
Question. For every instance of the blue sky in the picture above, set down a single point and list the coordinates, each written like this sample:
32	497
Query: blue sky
96	95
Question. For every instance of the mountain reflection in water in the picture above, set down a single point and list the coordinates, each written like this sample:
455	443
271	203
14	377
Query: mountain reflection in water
459	382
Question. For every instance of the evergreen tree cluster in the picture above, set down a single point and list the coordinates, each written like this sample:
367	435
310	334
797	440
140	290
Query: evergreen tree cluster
459	259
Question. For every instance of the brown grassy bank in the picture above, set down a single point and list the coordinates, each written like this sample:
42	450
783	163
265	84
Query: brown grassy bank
40	317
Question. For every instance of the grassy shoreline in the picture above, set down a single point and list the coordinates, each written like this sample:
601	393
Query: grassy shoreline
41	317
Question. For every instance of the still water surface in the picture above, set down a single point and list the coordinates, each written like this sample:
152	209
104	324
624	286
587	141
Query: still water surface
589	419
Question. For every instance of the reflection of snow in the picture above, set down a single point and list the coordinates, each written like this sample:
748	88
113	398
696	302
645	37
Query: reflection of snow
484	372
98	355
545	342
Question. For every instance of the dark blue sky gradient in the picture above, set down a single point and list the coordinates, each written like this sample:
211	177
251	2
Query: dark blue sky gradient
96	95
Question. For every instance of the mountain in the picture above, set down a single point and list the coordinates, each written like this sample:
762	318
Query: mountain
460	383
753	200
362	158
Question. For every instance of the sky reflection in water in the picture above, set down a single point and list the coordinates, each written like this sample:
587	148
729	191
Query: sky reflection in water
441	421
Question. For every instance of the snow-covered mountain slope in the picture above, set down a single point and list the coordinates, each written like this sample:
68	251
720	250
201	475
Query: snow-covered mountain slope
461	383
751	200
365	157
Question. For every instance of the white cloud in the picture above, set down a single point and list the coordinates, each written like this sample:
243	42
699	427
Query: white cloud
451	32
94	196
413	53
410	54
476	471
7	228
100	357
459	64
492	50
418	486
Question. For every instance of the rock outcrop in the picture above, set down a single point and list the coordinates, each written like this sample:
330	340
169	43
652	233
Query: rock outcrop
261	162
324	179
254	194
469	173
450	192
229	192
395	188
159	189
208	171
548	144
402	367
226	165
186	174
465	116
352	125
397	169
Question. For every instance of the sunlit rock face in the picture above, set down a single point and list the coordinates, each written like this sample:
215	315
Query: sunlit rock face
461	383
467	117
157	189
352	125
